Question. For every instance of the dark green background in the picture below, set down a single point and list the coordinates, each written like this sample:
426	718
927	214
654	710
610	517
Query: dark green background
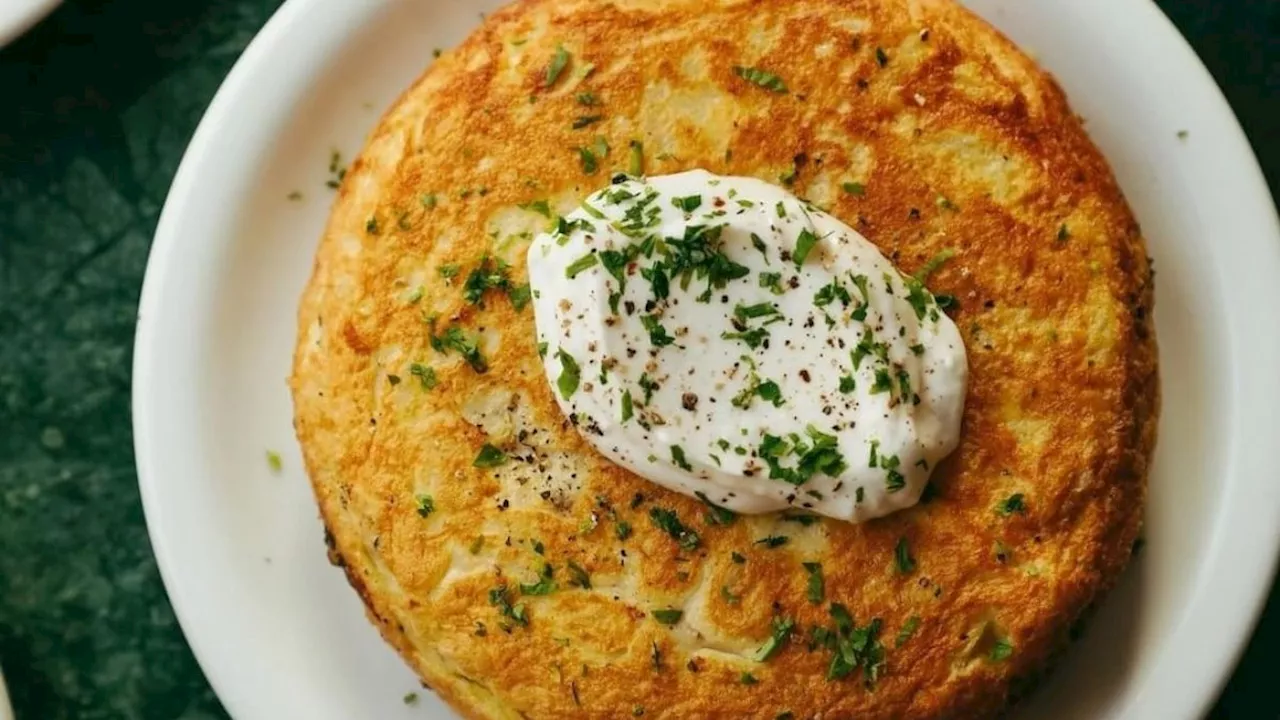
96	107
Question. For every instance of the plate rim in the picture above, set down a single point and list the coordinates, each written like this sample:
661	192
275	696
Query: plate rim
1238	569
26	19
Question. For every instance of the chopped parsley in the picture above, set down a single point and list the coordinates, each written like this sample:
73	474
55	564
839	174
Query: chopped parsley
761	78
668	522
558	63
819	457
425	505
781	632
908	629
492	274
902	557
1001	650
847	384
542	207
578	577
583	263
489	456
882	58
748	312
698	254
500	597
832	292
627	407
854	188
426	375
753	338
854	646
520	296
586	121
448	271
804	245
773	541
657	333
687	204
590	163
934	263
817	584
622	530
716	515
747	679
546	583
766	390
274	462
587	99
570	374
456	339
648	386
770	393
1012	504
772	281
677	457
667	617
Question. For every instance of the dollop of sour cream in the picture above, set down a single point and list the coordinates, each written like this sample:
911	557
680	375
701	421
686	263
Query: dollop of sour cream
722	338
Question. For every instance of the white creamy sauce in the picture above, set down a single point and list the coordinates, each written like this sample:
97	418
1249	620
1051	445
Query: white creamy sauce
727	340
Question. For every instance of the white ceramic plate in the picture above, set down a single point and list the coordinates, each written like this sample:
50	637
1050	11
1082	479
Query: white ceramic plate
277	630
6	712
16	16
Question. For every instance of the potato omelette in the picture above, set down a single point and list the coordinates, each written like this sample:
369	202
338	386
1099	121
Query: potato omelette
521	573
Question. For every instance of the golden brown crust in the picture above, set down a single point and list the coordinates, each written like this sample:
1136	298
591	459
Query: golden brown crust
960	142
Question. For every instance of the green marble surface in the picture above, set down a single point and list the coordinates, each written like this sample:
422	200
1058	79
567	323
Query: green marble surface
96	107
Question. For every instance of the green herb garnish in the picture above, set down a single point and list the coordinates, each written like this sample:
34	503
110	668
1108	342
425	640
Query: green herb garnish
804	245
456	339
902	557
583	263
908	629
1012	504
578	577
542	207
668	522
781	632
687	204
677	457
668	616
817	584
657	333
1001	650
545	585
425	505
558	63
500	597
489	456
570	374
762	78
716	515
627	408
